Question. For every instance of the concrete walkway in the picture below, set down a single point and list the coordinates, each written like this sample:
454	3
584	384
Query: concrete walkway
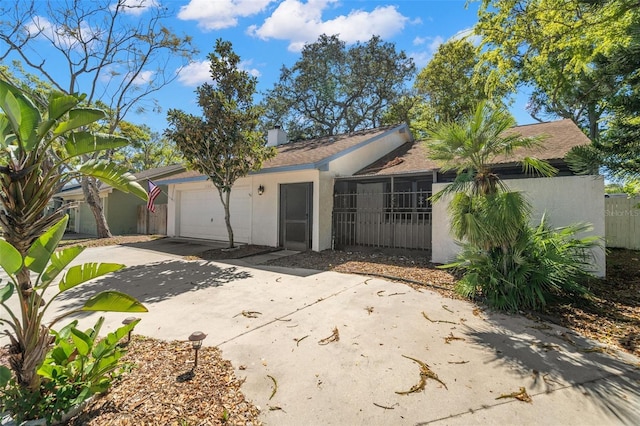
298	315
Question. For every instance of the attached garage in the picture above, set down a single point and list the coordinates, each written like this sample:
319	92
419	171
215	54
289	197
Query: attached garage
201	214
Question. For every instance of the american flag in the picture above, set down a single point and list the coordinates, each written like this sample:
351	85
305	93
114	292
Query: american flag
154	191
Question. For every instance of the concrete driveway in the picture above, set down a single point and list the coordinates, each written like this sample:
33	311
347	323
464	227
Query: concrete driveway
477	356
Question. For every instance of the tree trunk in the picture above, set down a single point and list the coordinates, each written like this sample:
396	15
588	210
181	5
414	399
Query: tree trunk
26	362
92	197
225	197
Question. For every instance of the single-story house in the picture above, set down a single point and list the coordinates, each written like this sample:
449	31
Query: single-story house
125	213
287	203
371	188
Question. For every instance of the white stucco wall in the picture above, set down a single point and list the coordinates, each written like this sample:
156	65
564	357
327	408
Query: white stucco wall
565	200
264	212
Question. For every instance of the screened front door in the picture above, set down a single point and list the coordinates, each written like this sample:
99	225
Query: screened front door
296	201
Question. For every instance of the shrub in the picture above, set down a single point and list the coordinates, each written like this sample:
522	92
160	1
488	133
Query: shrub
540	263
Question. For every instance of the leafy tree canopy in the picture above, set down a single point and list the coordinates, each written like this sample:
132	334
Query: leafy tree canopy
579	57
334	89
453	82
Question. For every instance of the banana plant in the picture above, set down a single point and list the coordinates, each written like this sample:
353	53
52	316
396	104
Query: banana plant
29	334
41	150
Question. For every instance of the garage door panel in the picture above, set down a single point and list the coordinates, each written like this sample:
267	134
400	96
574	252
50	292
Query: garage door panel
202	214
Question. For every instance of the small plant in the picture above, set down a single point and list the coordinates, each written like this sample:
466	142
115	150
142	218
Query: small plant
30	337
80	365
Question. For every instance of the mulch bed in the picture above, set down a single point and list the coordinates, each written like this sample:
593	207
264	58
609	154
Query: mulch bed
163	388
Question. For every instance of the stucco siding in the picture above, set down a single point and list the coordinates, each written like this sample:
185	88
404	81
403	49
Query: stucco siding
87	221
264	211
122	213
564	200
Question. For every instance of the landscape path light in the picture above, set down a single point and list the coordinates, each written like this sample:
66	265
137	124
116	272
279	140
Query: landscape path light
196	339
127	321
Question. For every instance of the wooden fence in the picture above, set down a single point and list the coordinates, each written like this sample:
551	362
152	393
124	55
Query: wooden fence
152	223
622	222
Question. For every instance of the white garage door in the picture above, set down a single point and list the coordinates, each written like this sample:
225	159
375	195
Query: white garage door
202	215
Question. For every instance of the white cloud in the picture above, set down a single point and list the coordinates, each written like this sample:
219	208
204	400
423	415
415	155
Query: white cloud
435	43
246	66
198	72
144	77
195	73
138	7
219	14
422	58
301	23
419	40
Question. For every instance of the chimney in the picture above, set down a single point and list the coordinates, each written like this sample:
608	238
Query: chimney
276	136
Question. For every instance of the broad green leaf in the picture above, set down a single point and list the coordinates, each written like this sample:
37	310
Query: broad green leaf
79	274
41	250
113	301
6	292
79	117
81	340
5	376
84	394
22	113
79	143
95	330
10	258
61	353
6	133
59	261
60	104
65	331
9	104
115	176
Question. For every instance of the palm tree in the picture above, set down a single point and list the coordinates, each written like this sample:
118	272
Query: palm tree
37	150
482	210
514	265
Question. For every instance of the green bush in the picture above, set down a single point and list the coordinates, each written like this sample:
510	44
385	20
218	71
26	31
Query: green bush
540	263
77	367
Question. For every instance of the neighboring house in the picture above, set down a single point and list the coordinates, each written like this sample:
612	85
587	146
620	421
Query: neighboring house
372	189
125	213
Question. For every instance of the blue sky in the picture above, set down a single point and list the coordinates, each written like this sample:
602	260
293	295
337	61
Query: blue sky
268	34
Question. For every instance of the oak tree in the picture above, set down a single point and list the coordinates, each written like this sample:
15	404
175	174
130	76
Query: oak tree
336	89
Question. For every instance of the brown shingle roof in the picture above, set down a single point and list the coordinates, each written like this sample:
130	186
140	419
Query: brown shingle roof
559	138
318	150
311	153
